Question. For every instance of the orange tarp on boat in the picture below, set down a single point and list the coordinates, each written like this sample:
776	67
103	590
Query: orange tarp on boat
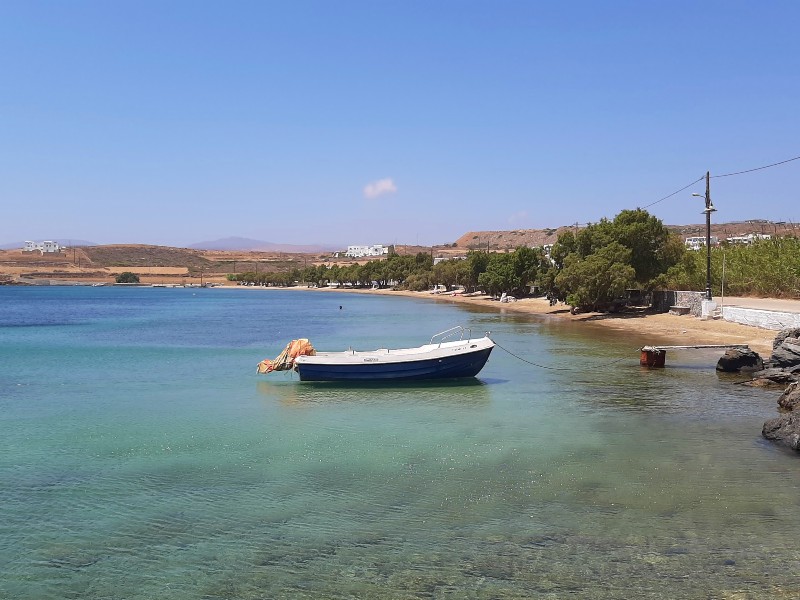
285	360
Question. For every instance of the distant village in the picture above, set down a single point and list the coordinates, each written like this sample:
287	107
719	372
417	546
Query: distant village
699	241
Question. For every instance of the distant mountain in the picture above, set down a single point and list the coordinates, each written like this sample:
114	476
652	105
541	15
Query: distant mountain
247	244
60	241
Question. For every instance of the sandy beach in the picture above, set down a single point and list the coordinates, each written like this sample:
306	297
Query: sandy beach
664	328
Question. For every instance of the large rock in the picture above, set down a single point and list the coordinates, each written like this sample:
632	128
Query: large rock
790	399
784	369
737	361
784	430
788	332
787	354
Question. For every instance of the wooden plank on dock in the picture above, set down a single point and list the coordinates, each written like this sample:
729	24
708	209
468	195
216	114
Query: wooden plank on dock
655	356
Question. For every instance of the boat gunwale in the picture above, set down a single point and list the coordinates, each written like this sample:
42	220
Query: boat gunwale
388	355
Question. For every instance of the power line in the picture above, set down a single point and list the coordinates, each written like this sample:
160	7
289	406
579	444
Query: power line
677	192
783	162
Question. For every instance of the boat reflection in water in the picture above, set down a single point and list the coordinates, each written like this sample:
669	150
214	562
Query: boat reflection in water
463	392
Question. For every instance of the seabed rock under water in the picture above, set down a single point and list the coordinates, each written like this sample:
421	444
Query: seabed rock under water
772	377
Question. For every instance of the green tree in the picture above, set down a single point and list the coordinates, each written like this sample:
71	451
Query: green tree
477	261
653	248
527	263
499	275
372	271
446	272
419	281
127	277
424	261
648	241
595	281
335	274
565	245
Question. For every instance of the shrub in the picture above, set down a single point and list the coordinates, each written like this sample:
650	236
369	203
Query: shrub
127	277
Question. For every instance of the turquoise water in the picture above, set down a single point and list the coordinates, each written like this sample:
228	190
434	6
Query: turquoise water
142	457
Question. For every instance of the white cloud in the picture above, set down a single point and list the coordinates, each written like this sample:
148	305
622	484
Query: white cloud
379	188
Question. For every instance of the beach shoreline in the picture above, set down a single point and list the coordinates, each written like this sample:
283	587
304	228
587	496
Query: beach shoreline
655	328
664	328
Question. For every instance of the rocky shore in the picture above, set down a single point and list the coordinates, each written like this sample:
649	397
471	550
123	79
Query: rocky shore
783	370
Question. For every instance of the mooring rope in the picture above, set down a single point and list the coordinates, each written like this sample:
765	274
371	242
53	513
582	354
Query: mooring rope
556	368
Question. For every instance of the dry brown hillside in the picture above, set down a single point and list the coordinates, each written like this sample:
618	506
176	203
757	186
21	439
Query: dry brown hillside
508	240
153	264
160	264
726	230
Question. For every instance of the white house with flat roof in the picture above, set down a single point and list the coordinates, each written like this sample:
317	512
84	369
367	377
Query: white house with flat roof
697	242
748	239
45	246
362	251
439	259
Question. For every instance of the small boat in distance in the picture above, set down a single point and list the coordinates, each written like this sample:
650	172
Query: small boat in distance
441	358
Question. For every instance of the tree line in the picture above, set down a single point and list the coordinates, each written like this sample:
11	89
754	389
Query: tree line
590	269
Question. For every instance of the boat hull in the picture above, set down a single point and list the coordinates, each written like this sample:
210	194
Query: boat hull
441	363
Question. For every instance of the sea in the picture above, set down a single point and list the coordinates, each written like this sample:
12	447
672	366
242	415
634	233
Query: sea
142	457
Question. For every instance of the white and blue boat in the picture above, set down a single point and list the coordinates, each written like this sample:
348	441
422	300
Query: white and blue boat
441	358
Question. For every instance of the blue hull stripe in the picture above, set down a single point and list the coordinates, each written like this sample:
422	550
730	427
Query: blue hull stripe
464	365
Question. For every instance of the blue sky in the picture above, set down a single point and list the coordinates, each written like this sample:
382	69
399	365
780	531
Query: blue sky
345	122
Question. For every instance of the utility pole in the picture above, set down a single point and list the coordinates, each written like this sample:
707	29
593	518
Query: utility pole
709	209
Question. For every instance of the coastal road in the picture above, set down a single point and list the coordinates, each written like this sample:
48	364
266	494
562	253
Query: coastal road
774	304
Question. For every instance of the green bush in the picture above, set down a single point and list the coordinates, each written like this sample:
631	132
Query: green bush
127	277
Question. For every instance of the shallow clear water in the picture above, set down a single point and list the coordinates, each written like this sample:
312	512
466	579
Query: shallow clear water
142	457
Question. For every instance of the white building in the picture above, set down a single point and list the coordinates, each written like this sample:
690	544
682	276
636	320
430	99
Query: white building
748	239
695	243
439	259
362	251
45	246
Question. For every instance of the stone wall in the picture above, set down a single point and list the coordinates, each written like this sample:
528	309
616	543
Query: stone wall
766	319
663	299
